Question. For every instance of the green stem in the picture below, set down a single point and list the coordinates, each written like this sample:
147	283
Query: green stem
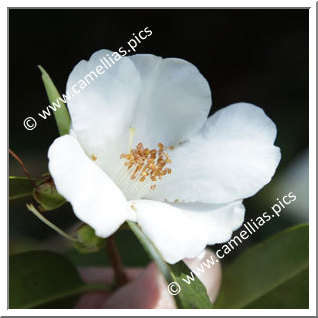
32	208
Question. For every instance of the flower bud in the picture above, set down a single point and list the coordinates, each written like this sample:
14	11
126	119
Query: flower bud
47	196
88	242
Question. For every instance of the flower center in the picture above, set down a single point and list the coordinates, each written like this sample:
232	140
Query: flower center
147	163
143	167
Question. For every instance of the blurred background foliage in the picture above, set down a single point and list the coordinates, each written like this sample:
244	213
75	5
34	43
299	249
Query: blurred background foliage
255	56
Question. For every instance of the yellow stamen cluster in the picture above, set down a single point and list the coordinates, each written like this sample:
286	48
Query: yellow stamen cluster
147	163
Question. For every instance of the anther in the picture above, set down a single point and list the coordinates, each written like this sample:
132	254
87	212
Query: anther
148	163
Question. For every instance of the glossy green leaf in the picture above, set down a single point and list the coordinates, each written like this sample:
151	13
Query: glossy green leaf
41	277
20	187
192	295
61	114
293	294
88	242
272	274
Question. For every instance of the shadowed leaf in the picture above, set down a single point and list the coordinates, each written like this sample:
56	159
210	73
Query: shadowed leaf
41	277
272	274
20	187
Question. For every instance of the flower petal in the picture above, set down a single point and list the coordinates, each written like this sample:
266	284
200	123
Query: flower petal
94	197
165	100
174	101
102	112
183	230
231	158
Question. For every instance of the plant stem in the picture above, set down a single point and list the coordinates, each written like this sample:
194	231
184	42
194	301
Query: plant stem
25	170
116	261
32	208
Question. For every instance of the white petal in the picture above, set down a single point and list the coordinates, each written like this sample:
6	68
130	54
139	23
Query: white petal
174	101
94	197
231	158
183	230
165	100
102	112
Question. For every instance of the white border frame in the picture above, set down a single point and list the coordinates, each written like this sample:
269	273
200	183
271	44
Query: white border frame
312	159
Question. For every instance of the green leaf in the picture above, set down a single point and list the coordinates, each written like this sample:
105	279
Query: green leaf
42	277
20	187
272	274
62	116
43	191
88	242
294	294
191	296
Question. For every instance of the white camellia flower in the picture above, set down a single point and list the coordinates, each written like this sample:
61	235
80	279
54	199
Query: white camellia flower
141	148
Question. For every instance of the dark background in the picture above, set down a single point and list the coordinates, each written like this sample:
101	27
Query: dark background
257	56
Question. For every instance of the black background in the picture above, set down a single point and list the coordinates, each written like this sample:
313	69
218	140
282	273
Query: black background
257	56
